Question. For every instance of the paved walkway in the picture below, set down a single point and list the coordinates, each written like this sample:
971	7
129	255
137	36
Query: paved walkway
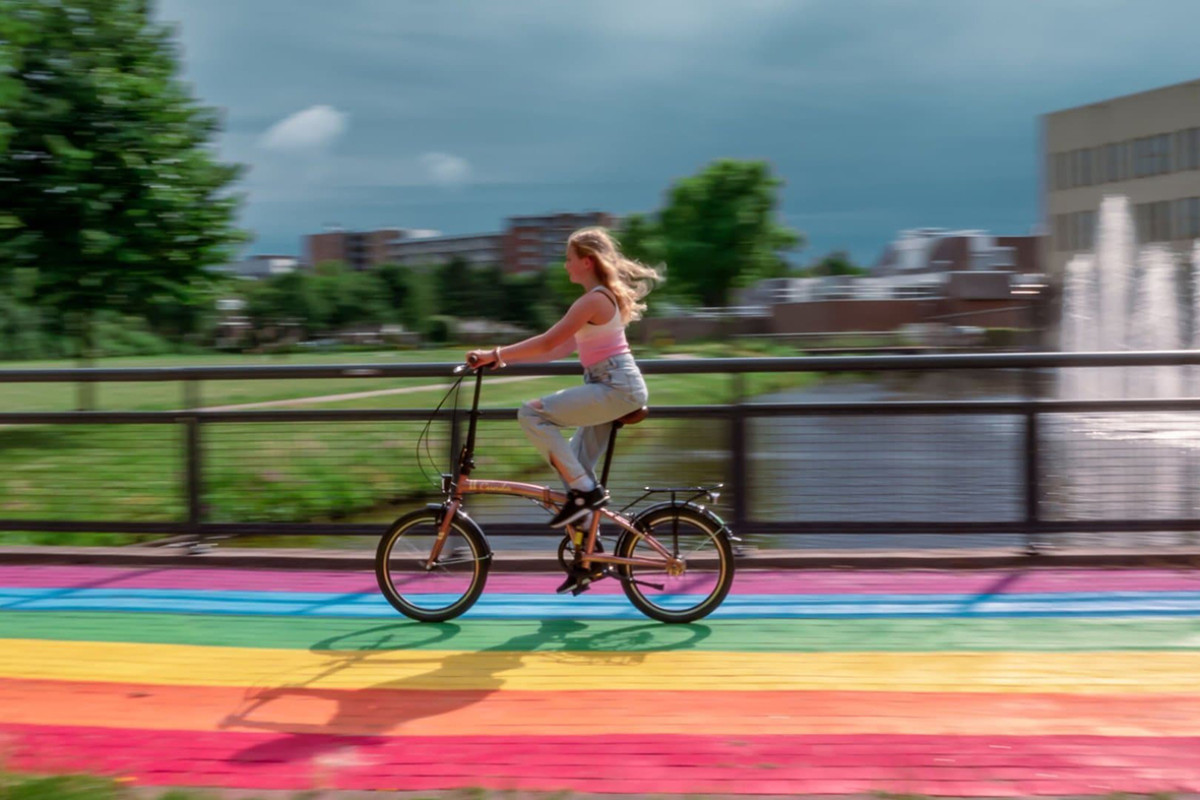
967	684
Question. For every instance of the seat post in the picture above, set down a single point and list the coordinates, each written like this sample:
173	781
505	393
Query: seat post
612	444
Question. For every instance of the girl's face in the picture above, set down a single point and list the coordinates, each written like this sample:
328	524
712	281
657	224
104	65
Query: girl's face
578	267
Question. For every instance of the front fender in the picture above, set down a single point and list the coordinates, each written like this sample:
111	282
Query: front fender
463	518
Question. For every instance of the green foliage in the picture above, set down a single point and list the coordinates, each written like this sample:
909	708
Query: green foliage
717	231
396	281
835	263
559	291
439	329
528	300
351	298
456	288
641	239
107	178
59	787
292	297
420	302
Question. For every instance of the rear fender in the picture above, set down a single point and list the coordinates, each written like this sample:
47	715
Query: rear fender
702	511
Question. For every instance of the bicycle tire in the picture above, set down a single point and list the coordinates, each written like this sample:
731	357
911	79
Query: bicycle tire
674	604
451	587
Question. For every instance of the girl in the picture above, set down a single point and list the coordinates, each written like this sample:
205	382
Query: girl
613	386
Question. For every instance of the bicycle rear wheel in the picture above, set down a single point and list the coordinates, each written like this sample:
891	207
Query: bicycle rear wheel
672	595
450	586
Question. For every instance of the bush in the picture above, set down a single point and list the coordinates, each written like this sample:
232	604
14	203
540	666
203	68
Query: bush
440	329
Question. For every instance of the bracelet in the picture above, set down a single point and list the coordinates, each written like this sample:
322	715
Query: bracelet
499	361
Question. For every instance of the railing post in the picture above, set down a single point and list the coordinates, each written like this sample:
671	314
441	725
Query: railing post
738	474
194	471
1033	488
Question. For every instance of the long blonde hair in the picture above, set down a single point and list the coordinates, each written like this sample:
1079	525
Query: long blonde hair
628	280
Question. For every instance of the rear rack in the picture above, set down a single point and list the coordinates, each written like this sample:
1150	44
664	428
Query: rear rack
712	493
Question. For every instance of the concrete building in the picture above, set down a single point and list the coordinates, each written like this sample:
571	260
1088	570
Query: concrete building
479	249
532	242
925	262
1144	146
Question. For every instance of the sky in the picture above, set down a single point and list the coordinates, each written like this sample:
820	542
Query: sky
878	115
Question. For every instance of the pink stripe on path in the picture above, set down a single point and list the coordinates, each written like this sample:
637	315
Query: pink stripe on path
959	766
747	581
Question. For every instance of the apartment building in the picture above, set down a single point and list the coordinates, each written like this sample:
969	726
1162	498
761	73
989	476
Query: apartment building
479	249
528	244
1144	146
358	250
532	242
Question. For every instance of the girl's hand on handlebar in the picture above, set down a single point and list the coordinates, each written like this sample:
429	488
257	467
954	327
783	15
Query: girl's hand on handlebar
480	358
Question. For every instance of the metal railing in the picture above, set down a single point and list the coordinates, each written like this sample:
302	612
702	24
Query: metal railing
1025	464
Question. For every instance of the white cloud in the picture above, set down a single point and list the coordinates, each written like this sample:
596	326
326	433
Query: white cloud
311	130
445	169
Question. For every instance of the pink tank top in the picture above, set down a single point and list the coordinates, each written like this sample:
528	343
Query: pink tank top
598	342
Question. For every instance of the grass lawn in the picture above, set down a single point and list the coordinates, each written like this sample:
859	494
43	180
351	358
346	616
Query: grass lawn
285	471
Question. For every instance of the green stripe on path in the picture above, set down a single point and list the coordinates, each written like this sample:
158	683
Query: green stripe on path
766	635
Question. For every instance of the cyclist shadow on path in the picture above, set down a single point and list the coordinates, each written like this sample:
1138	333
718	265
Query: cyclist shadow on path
360	716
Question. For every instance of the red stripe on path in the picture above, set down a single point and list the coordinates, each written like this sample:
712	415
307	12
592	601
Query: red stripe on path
962	766
747	581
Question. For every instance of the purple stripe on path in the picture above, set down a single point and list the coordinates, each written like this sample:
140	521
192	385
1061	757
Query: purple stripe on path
746	582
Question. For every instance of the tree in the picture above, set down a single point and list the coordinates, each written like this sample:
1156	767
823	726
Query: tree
719	230
292	299
641	239
397	281
108	183
352	298
835	263
455	287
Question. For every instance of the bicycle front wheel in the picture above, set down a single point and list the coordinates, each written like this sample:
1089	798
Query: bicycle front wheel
695	584
431	592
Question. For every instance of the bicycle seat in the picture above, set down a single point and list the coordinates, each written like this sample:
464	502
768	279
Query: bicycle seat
634	417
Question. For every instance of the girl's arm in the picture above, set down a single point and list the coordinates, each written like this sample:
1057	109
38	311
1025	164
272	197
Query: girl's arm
562	351
554	343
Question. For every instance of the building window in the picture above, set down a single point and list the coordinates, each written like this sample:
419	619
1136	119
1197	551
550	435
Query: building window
1193	218
1178	210
1159	221
1061	171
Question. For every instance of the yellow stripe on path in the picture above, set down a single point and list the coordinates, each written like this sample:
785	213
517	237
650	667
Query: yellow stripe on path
1118	672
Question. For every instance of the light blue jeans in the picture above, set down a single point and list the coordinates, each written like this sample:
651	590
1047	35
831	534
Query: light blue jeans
612	388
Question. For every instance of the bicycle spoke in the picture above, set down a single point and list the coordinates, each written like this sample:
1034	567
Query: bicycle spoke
423	591
697	580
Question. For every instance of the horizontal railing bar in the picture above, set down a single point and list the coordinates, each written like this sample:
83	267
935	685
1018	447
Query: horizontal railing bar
443	370
918	408
536	529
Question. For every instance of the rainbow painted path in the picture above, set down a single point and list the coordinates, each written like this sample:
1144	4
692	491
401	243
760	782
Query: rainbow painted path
1061	682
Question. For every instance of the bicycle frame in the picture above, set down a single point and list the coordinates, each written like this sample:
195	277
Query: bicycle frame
460	484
